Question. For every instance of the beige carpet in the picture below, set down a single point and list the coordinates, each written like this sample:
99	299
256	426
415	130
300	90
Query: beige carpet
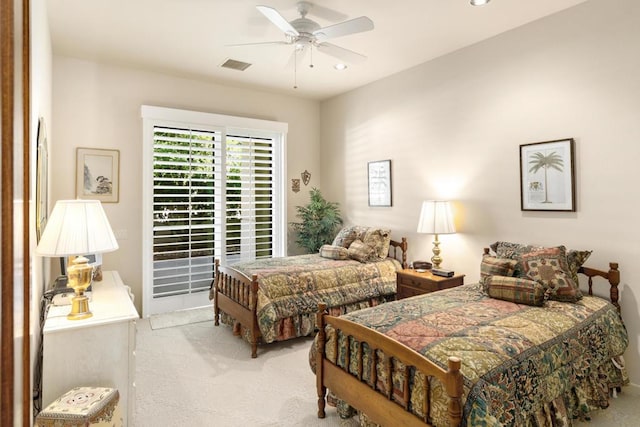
201	375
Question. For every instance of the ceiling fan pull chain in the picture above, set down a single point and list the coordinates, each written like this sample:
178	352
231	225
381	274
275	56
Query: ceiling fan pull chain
311	56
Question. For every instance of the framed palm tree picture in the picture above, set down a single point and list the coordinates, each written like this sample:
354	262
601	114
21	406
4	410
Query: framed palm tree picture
547	177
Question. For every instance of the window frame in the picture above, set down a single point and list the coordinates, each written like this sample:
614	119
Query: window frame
161	116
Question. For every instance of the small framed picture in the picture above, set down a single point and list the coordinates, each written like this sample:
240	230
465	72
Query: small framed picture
98	174
379	173
547	177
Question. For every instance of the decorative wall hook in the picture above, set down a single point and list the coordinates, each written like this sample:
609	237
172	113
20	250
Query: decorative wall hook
306	177
295	185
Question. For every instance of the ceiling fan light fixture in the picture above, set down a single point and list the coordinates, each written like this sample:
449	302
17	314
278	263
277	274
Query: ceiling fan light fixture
340	66
479	2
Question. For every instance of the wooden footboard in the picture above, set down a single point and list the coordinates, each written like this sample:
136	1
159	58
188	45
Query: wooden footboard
364	396
235	294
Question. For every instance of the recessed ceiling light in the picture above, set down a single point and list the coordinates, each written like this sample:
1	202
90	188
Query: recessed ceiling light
340	67
479	2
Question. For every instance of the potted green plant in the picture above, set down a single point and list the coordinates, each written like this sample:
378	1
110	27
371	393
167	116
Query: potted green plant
319	222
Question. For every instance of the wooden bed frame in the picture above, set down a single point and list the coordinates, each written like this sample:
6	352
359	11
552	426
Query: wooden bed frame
379	407
236	294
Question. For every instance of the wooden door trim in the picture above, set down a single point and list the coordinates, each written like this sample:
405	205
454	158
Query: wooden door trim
27	402
6	207
8	21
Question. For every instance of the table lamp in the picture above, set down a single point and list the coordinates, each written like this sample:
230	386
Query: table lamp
77	227
436	218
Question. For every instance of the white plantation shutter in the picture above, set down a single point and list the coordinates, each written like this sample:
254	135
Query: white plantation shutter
186	201
212	192
249	198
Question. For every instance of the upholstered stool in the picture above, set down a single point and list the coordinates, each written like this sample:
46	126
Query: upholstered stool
83	407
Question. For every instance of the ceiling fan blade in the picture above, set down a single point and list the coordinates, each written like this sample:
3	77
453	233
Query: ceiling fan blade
278	20
352	26
253	44
341	53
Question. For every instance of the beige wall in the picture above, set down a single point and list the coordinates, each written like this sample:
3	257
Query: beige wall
452	128
98	106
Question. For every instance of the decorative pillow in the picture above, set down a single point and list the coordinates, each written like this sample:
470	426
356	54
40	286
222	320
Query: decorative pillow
517	290
513	251
360	251
345	237
575	259
379	239
548	266
494	266
334	252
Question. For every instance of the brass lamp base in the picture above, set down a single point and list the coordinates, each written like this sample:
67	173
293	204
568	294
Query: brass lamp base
79	273
79	308
436	259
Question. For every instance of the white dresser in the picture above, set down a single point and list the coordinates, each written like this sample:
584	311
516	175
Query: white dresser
98	351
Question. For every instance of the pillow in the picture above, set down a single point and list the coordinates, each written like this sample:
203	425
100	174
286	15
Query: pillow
548	266
380	240
575	259
360	251
513	251
345	237
517	290
334	252
494	266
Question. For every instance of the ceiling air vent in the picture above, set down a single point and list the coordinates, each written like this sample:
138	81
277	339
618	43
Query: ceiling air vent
235	65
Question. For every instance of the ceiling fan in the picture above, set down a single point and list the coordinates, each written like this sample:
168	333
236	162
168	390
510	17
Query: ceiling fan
305	33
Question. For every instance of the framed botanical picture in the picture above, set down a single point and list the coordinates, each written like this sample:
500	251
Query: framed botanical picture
42	173
547	177
379	173
98	174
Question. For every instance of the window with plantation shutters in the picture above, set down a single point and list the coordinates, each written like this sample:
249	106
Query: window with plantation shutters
211	192
185	193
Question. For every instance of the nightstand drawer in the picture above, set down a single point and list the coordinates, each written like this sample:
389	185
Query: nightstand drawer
425	286
406	292
411	283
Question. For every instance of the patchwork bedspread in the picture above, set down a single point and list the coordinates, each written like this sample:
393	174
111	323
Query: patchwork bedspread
290	289
522	365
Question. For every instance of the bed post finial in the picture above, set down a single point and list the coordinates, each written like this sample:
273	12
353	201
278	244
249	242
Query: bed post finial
320	355
404	246
614	281
454	390
213	292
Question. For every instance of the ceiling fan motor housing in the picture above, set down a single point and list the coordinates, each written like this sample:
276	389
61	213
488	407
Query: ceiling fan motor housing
305	26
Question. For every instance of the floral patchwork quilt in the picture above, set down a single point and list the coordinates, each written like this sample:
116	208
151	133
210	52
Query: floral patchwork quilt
522	365
290	289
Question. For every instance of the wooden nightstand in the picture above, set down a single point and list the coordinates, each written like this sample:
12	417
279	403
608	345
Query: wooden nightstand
411	283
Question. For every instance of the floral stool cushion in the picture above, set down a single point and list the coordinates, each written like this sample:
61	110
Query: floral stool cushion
83	406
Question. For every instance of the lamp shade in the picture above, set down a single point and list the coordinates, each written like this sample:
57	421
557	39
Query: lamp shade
77	227
436	218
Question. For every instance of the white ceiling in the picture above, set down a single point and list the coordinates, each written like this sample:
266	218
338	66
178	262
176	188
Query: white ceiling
190	38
